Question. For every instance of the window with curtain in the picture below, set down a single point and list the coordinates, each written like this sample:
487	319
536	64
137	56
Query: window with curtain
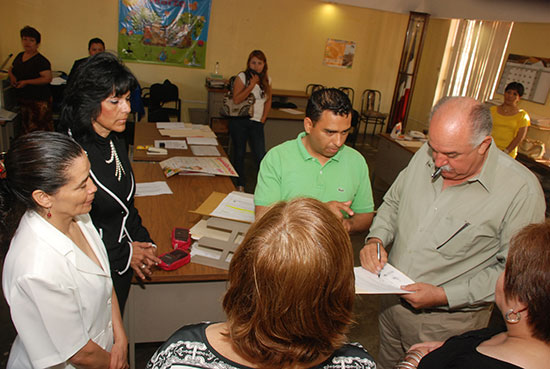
473	58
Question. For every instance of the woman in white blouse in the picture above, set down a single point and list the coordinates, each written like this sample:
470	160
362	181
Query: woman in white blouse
254	80
56	275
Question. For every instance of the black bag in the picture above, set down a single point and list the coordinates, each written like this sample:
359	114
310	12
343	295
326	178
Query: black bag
243	110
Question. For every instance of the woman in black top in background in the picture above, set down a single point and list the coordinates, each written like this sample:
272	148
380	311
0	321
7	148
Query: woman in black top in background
95	106
31	74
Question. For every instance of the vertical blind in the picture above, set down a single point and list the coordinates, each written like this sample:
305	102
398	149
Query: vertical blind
473	58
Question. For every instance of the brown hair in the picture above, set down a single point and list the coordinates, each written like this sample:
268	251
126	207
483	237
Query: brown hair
264	80
291	286
527	275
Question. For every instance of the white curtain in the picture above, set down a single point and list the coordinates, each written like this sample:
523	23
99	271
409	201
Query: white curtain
473	58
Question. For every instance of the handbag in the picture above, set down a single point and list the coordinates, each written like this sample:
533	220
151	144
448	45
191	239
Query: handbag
244	109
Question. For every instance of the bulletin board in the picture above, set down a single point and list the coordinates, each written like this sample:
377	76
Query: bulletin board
532	72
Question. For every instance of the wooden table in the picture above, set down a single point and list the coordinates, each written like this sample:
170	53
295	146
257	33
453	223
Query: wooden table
157	308
146	134
391	159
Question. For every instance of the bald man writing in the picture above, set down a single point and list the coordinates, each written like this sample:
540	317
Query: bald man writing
449	217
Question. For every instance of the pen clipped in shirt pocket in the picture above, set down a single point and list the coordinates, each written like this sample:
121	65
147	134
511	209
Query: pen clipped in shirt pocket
453	236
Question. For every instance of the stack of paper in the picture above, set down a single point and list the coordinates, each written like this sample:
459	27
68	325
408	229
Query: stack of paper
179	129
210	165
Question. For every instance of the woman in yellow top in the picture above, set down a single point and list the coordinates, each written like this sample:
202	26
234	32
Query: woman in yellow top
509	122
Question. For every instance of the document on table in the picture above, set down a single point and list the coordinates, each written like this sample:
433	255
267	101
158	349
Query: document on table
390	281
202	141
212	165
195	132
203	150
170	125
152	189
172	144
236	206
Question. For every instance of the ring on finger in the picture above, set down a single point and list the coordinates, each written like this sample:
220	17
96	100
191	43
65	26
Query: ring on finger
143	266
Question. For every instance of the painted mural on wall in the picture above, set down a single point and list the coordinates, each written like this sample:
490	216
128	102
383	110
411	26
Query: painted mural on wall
170	32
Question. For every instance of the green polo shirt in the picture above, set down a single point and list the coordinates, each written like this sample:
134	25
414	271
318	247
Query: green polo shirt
289	171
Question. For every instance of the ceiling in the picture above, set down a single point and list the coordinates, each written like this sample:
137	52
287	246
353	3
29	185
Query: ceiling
536	11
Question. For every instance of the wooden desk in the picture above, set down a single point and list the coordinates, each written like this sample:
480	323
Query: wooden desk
146	134
190	294
215	100
281	127
391	159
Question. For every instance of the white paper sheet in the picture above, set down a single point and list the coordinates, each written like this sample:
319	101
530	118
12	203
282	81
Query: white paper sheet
390	281
202	141
236	206
202	150
172	144
152	189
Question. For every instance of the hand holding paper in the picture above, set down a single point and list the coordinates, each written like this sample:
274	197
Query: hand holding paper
390	281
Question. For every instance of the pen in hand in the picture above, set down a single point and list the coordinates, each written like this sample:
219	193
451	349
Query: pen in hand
379	256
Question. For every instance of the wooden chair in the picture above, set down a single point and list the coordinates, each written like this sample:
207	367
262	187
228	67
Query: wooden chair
370	110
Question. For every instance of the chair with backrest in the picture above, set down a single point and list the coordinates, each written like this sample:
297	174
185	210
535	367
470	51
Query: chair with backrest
354	131
156	99
312	87
370	110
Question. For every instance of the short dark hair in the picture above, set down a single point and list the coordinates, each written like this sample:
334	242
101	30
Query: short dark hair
327	99
291	286
100	76
95	40
36	161
516	86
29	31
527	275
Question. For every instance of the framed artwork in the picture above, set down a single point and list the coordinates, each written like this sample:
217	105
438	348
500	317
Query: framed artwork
170	32
339	53
532	72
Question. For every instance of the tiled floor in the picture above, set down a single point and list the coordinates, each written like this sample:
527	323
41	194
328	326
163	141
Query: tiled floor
366	307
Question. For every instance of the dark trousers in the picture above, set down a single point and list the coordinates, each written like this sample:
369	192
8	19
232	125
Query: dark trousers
121	284
243	131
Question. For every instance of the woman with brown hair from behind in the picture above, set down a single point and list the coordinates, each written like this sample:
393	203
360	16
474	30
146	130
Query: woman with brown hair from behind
289	301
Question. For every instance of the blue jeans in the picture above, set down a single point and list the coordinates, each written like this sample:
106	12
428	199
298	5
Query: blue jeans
243	131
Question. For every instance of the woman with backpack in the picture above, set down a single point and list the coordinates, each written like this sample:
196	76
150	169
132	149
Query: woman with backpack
254	80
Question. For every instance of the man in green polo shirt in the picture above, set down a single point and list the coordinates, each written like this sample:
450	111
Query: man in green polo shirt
317	164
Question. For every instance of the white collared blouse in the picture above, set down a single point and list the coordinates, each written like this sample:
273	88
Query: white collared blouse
59	298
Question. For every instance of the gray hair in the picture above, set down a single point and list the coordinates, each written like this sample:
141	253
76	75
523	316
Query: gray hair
479	118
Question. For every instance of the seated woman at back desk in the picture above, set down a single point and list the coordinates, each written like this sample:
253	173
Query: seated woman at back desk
523	295
289	301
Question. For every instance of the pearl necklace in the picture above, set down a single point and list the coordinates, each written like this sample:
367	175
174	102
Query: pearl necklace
119	169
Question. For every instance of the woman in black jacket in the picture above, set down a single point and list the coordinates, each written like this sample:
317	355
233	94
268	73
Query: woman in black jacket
95	108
